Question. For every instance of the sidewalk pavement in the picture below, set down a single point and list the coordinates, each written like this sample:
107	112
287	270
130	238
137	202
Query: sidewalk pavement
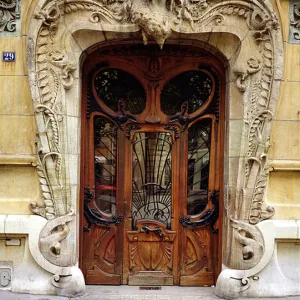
95	292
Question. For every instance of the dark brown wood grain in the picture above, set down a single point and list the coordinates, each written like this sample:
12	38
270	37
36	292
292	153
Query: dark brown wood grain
124	255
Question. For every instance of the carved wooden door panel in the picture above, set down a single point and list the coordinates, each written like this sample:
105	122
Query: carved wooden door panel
101	239
200	208
150	245
151	166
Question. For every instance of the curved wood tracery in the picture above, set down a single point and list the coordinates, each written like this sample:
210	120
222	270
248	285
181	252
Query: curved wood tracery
153	68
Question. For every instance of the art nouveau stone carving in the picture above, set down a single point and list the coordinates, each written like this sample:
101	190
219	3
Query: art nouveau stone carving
294	21
251	240
55	254
52	75
9	14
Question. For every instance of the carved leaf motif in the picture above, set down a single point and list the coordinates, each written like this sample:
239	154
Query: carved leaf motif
156	255
150	251
197	13
9	15
251	240
144	252
110	251
133	254
98	235
190	256
152	255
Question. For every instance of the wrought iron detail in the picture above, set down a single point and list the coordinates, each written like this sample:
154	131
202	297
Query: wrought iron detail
93	216
199	140
209	218
90	105
105	147
182	117
173	128
114	85
194	87
130	128
151	177
120	116
156	230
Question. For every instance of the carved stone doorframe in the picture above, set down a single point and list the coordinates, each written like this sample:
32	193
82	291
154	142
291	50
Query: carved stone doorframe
62	32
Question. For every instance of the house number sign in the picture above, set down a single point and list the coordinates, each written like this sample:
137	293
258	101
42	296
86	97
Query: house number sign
9	56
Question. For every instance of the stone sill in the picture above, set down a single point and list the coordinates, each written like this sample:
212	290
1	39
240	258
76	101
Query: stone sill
17	159
15	224
284	165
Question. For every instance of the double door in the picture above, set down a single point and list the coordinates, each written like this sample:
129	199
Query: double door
150	172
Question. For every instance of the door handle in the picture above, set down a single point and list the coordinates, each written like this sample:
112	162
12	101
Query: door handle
156	230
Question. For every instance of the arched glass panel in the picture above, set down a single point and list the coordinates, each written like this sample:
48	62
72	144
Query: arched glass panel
151	177
199	136
193	87
113	85
105	145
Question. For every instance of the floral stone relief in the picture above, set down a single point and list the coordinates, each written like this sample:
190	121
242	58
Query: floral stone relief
52	75
9	15
294	34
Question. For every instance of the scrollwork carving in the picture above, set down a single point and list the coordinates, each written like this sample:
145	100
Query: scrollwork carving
295	21
54	69
9	14
51	241
256	213
254	65
251	240
48	210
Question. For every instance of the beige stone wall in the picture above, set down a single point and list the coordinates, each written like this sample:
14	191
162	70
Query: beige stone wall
284	181
18	179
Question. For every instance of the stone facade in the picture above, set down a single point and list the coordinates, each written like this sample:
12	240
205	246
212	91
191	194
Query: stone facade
40	117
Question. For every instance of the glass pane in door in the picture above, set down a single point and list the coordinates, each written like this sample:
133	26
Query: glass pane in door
198	166
105	143
151	177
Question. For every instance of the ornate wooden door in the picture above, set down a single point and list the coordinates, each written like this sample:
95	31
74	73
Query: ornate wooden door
150	245
151	166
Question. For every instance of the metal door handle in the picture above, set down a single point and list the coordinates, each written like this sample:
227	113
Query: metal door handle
156	230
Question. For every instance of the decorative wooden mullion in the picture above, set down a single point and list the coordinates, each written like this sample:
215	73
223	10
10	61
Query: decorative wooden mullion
153	114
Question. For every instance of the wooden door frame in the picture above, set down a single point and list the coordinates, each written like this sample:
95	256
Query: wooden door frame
219	69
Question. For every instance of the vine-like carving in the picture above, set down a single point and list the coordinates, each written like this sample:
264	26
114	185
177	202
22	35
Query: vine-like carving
9	14
252	241
257	214
295	22
54	69
254	65
51	241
